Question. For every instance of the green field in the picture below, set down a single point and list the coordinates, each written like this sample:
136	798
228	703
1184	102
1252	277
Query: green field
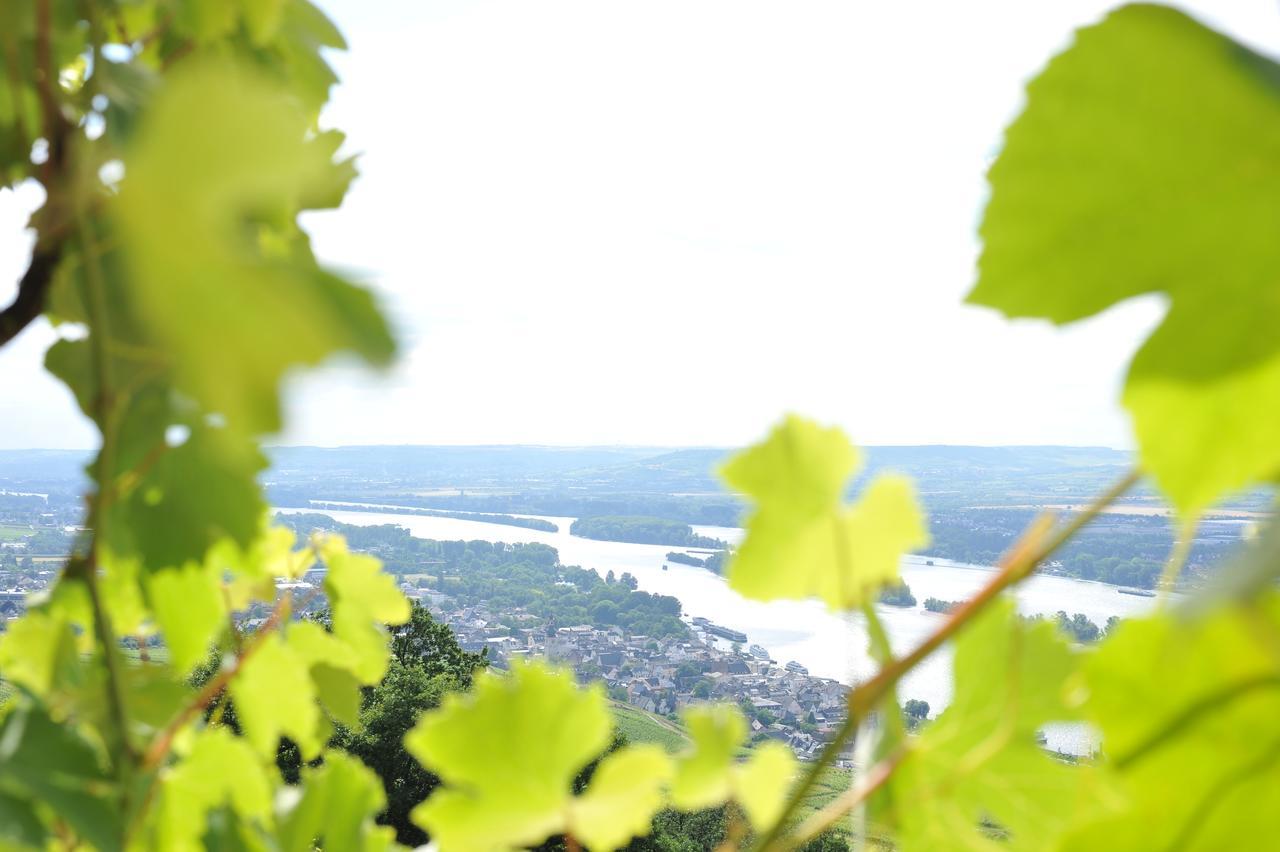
832	783
155	655
13	532
642	727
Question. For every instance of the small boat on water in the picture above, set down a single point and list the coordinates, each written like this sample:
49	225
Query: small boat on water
795	668
724	632
664	566
928	562
1140	593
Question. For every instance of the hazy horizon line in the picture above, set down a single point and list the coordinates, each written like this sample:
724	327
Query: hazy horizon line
619	446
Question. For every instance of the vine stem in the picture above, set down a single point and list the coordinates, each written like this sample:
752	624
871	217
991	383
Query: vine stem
163	742
29	302
1040	540
873	780
46	86
1178	557
104	406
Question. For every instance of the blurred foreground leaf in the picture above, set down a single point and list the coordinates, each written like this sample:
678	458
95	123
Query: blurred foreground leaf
802	541
1147	160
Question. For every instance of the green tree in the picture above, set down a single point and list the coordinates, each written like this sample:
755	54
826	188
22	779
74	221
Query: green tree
430	645
388	711
916	709
604	612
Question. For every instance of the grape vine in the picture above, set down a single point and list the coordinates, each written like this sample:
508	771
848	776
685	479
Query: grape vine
176	143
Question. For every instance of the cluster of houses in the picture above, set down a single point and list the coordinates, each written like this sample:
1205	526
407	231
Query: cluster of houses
658	675
15	586
662	676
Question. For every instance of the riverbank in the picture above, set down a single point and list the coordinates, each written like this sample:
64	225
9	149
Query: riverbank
828	645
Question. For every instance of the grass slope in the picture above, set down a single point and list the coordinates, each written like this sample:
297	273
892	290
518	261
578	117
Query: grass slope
642	727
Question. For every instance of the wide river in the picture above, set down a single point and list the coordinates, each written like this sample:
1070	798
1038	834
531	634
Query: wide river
828	645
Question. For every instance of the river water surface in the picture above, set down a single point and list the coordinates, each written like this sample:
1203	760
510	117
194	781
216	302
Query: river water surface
828	645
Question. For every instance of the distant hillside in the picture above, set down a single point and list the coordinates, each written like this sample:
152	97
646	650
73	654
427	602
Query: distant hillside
43	470
428	465
679	484
1047	457
693	470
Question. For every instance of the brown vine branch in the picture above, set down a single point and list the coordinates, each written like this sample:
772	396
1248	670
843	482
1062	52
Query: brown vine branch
34	285
847	801
56	126
13	71
1186	535
1036	544
29	303
85	570
163	742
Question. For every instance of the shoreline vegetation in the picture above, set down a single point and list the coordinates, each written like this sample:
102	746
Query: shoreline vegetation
1121	550
505	520
508	578
899	595
642	529
713	562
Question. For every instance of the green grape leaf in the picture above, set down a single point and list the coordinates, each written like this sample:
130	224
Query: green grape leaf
36	648
761	783
262	19
704	774
220	769
55	764
709	773
227	232
19	21
625	793
332	665
155	514
316	646
339	691
189	609
152	697
168	522
19	107
799	472
251	572
362	599
313	26
1147	160
20	824
1196	769
122	594
979	760
336	809
274	695
508	753
801	540
207	20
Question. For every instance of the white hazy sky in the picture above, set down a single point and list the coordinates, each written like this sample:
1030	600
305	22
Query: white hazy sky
669	222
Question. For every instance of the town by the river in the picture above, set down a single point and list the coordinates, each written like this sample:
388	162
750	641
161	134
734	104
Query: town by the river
829	645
